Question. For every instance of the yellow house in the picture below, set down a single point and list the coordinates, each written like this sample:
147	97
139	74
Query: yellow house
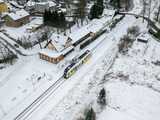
3	6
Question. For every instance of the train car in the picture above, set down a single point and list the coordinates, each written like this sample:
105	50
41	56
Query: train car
73	67
88	41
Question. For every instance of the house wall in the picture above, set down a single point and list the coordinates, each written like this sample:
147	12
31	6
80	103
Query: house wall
3	8
51	46
16	23
50	59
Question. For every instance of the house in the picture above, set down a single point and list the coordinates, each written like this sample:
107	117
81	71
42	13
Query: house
17	19
40	7
58	42
3	6
54	56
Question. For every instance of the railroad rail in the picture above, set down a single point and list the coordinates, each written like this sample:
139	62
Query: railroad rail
37	102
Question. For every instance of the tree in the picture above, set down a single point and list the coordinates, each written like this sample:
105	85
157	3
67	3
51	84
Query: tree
96	11
80	10
144	9
102	97
116	4
90	115
100	3
158	13
93	12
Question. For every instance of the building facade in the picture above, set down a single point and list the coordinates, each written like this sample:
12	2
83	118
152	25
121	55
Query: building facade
3	7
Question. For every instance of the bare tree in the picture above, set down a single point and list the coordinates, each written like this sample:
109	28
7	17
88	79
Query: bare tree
144	9
158	13
149	13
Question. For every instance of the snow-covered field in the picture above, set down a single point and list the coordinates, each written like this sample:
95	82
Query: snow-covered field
132	84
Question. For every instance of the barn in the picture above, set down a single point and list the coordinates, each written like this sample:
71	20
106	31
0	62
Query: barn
17	19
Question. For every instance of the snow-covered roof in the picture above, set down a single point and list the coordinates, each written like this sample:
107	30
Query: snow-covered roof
59	41
41	3
95	26
52	4
49	3
55	54
75	36
30	3
143	37
18	14
109	12
50	53
1	1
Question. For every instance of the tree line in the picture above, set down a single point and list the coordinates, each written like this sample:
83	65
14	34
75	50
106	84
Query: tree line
55	18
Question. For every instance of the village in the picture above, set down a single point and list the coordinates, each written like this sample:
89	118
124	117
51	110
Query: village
25	29
57	56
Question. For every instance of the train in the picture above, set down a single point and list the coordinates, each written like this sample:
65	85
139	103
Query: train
90	40
76	63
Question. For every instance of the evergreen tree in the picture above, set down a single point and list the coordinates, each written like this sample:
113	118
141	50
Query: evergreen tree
102	97
100	3
62	19
95	11
45	17
90	115
115	4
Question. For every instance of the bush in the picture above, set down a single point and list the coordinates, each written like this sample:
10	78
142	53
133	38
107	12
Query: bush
125	43
133	30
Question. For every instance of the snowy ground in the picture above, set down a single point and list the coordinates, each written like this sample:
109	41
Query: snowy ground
133	86
132	82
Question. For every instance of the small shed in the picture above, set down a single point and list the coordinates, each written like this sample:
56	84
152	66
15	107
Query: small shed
143	38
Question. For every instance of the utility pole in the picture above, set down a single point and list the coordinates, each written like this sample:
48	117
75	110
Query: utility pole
149	14
144	9
158	13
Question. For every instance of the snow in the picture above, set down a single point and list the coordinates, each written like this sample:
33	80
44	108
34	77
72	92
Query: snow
131	103
78	34
131	80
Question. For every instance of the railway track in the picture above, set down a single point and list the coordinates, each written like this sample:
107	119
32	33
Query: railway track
37	102
45	95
